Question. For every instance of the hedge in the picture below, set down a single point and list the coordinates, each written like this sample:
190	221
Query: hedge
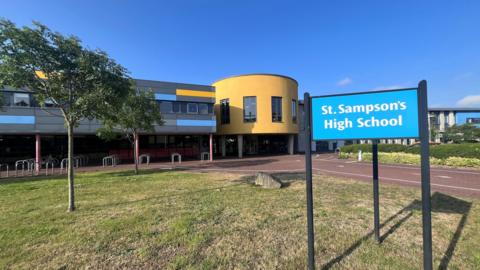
441	151
414	159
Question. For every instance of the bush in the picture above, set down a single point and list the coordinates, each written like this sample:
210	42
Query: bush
414	159
442	151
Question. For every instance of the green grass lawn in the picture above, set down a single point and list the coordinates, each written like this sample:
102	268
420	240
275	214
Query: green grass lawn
184	220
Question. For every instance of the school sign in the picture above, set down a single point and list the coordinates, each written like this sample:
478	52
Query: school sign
388	114
372	115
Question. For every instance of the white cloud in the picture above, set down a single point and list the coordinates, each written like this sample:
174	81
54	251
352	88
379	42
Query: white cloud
345	81
469	101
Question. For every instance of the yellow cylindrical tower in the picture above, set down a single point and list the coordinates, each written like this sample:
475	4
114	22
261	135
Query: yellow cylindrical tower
266	90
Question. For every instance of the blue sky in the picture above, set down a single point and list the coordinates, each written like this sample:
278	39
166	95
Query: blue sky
327	46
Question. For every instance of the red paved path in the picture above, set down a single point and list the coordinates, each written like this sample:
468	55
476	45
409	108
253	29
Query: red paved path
446	180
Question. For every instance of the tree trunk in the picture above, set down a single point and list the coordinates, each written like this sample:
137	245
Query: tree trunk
135	159
71	187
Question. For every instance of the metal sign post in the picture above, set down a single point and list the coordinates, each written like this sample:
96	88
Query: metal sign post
376	209
308	179
425	171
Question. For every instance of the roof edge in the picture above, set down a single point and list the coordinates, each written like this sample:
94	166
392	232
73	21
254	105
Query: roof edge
253	74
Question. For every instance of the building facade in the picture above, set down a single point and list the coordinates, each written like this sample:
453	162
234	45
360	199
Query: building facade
251	114
28	130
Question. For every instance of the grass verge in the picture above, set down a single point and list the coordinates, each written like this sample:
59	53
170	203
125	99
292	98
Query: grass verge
183	220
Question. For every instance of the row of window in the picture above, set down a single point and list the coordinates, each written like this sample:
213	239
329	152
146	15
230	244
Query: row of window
250	110
25	100
185	107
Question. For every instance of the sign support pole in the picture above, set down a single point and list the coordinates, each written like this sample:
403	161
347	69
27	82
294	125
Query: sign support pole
425	172
376	209
308	180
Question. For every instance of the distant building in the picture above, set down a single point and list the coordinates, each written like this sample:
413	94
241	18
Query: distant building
442	118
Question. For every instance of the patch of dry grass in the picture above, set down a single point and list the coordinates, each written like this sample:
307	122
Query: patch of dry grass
184	220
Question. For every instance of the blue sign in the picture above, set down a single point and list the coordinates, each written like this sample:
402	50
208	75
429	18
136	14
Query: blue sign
374	115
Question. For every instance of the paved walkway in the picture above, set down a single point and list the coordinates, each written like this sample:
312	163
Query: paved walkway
451	181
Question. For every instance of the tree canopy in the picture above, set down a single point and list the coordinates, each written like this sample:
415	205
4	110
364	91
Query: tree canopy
79	82
138	113
462	133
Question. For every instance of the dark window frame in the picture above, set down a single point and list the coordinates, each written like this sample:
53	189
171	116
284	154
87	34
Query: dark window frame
250	119
225	111
294	110
277	115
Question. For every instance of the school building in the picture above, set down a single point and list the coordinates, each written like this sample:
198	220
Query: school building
253	114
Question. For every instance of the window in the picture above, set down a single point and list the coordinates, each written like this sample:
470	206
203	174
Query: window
249	109
276	109
183	107
192	108
473	120
294	110
225	111
210	108
203	108
166	107
21	99
7	96
177	107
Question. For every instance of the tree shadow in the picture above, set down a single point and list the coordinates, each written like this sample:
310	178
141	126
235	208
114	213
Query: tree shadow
441	203
241	163
142	171
285	178
30	178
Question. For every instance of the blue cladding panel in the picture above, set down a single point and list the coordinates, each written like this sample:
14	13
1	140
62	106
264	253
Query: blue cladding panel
17	119
165	97
196	123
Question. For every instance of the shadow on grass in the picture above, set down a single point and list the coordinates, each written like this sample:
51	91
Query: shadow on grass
285	178
143	171
441	203
119	173
242	163
27	179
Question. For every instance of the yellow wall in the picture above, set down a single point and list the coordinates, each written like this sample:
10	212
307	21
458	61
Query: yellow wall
263	87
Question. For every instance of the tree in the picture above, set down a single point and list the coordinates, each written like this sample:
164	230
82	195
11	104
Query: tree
462	133
139	112
81	83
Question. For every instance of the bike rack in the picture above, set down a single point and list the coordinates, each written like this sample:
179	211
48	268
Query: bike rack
203	155
111	160
47	165
179	157
28	164
64	163
143	157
